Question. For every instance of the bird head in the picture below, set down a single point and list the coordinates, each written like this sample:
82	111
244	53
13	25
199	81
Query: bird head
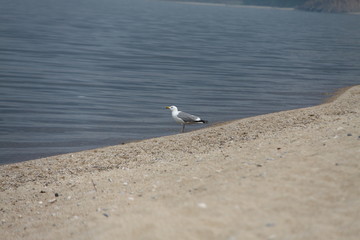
172	108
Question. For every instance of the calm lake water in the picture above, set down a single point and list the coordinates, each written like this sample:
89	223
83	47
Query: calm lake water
80	74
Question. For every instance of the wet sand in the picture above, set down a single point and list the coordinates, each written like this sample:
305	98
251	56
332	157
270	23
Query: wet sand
286	175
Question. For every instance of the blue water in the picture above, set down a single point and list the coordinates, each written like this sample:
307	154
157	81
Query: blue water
80	74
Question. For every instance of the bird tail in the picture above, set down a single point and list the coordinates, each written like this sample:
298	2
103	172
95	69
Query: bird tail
203	121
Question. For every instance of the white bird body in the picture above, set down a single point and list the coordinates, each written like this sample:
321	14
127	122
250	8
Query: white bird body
184	118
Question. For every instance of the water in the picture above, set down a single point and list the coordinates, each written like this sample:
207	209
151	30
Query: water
82	74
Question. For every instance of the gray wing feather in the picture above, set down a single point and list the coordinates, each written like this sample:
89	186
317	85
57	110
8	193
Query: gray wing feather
188	117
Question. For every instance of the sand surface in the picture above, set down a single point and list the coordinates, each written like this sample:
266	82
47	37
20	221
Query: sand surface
286	175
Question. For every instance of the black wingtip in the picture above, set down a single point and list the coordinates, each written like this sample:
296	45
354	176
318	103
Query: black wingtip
204	121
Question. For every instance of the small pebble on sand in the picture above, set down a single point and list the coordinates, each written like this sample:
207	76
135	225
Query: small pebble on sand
202	205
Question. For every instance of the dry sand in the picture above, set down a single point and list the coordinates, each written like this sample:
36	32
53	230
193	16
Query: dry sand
286	175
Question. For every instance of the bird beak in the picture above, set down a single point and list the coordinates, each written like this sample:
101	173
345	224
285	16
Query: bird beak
167	107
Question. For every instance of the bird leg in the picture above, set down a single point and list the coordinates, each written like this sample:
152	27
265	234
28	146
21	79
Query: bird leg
183	129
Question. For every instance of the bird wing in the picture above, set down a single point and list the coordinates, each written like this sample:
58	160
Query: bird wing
188	118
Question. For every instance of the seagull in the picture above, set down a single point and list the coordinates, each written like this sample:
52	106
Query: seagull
184	118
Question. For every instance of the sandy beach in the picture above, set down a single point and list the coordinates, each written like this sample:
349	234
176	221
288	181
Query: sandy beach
286	175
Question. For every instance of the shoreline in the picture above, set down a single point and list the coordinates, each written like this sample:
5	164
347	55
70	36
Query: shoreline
253	6
286	174
330	96
232	5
